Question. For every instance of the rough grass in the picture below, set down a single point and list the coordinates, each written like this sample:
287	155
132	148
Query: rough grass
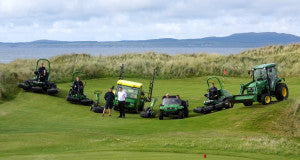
35	126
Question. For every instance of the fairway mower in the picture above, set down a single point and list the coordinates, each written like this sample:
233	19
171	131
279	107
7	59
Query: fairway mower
75	94
136	97
265	84
41	81
215	102
96	106
149	111
172	106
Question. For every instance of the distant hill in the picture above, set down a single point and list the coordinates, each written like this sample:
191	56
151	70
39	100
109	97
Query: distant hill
243	40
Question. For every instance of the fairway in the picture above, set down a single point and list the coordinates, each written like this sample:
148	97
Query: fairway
37	126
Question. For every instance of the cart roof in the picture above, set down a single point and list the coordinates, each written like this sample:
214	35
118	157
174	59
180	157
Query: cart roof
130	83
265	66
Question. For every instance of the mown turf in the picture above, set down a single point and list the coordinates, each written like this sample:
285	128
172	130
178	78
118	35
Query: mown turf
35	126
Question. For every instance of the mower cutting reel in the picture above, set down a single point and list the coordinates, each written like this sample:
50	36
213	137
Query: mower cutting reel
40	82
75	96
215	102
149	111
96	106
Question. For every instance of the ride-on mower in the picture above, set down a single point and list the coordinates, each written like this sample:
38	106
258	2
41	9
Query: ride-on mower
41	81
172	106
96	106
136	97
75	96
265	84
215	102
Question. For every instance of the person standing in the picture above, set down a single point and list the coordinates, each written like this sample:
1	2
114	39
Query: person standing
121	102
109	98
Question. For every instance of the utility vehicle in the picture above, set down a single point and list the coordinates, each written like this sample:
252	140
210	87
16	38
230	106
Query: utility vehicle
40	83
172	106
136	97
215	102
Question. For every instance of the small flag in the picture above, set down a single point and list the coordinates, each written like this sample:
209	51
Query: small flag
225	72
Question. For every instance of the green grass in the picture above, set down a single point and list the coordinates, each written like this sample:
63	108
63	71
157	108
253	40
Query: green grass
35	126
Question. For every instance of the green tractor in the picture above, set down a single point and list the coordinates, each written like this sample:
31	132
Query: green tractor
40	83
136	97
76	96
216	102
172	106
264	85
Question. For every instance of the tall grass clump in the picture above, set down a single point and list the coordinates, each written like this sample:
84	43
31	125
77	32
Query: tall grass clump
142	65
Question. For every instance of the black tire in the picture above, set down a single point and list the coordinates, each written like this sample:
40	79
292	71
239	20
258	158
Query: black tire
186	113
24	86
219	106
181	114
87	102
198	110
141	107
161	115
281	91
52	91
73	99
265	99
248	103
228	104
37	89
97	109
144	114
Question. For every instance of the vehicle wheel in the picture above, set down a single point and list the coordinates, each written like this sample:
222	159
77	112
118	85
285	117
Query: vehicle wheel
143	114
73	99
87	102
37	89
228	104
265	99
52	91
281	92
181	114
186	113
161	115
141	107
248	103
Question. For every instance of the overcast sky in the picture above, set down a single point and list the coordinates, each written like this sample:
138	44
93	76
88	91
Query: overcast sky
111	20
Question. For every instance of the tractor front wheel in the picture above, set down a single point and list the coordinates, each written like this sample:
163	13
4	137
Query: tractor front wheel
265	99
161	115
281	92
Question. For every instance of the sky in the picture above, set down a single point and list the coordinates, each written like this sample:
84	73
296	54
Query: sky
113	20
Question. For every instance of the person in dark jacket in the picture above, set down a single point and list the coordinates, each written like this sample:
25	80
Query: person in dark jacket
109	98
42	73
213	92
78	85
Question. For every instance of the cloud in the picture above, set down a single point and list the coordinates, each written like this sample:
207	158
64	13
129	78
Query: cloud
103	20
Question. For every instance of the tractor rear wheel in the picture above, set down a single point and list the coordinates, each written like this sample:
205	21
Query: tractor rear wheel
265	99
161	115
248	103
181	114
228	104
281	91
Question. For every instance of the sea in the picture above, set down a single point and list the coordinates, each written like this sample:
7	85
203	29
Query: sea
9	54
